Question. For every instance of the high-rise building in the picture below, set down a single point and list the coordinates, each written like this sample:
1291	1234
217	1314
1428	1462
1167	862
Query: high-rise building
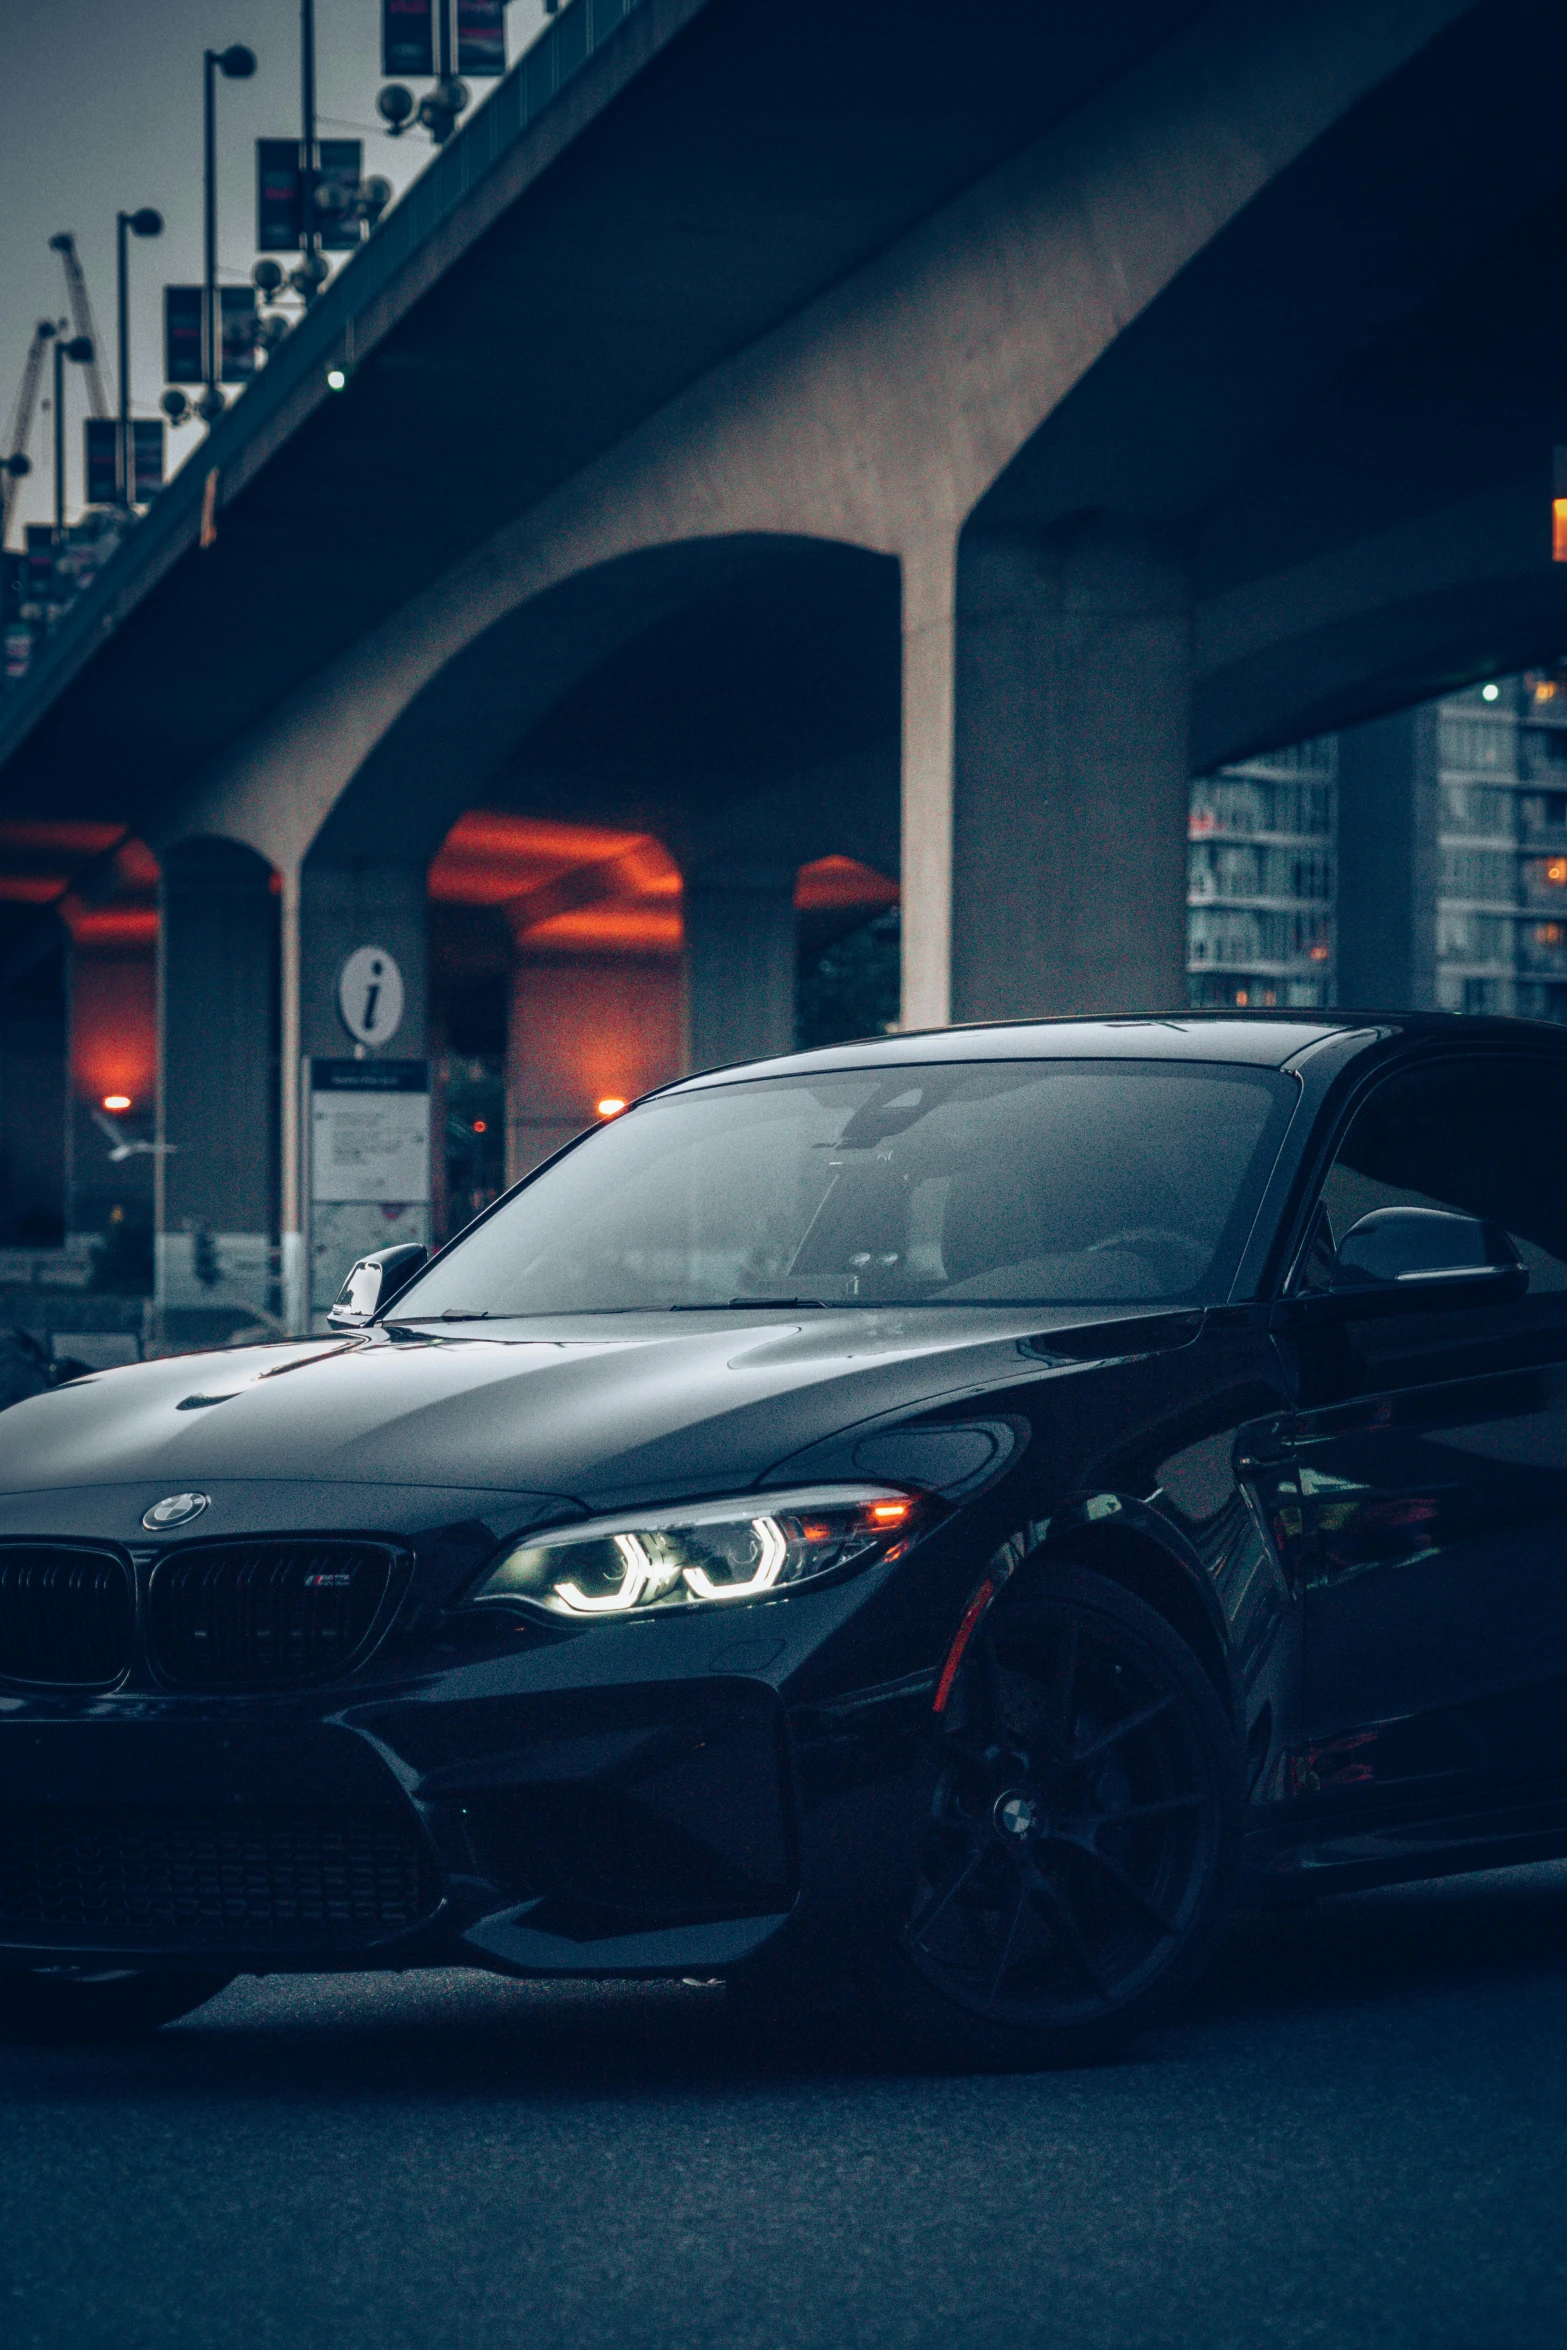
1260	880
1461	806
1501	912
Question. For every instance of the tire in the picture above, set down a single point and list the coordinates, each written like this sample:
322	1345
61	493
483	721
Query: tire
61	2006
1082	1839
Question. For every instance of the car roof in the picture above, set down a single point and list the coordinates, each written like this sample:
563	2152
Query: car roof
1259	1040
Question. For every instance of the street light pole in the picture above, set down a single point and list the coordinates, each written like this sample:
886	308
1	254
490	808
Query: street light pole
79	348
236	64
209	301
145	223
307	152
59	438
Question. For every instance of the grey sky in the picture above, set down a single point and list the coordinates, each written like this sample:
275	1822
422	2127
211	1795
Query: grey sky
100	109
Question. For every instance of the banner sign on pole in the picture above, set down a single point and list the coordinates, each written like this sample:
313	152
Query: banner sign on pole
279	223
237	326
182	308
102	435
340	163
407	37
481	38
369	1164
147	459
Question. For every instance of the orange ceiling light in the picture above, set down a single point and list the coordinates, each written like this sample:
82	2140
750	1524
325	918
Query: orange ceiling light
60	839
833	882
612	1105
116	1101
488	858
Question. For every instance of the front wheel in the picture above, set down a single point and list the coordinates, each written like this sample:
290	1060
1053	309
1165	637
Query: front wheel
66	2004
1082	1835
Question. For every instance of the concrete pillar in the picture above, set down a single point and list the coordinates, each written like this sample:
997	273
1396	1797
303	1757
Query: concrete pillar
1070	776
581	1032
1387	862
739	963
342	907
217	1165
35	1097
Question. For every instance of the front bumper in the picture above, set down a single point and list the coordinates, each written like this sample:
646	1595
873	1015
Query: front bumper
665	1796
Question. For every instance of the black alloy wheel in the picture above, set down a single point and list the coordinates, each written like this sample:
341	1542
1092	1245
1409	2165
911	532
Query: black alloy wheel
64	2005
1082	1836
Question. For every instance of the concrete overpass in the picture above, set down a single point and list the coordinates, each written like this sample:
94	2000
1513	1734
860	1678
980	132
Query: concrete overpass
922	447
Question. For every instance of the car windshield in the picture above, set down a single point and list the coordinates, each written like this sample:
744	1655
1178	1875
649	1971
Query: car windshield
1017	1183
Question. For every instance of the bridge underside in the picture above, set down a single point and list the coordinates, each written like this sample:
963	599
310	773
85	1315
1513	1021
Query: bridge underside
892	482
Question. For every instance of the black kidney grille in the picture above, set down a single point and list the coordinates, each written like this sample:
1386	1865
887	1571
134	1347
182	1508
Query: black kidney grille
281	1876
263	1615
67	1615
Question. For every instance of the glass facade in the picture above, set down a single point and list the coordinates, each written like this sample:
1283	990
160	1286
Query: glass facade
1501	917
1261	863
1259	884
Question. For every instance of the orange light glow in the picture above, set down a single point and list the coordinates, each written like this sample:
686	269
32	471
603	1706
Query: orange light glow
1556	871
1559	530
1319	954
611	1106
481	1126
1547	934
116	1101
1242	998
890	1513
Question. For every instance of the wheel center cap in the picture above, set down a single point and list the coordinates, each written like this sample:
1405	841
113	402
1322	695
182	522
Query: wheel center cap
1016	1814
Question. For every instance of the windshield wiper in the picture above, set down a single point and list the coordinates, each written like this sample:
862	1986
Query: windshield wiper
452	1314
722	1305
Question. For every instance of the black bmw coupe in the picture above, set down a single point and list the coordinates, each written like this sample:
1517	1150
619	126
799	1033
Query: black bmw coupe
952	1515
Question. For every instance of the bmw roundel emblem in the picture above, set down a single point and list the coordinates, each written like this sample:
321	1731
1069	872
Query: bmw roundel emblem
175	1509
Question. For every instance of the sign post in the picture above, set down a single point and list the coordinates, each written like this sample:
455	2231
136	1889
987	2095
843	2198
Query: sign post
369	1165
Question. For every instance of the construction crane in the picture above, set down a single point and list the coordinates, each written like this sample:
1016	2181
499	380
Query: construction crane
81	314
16	462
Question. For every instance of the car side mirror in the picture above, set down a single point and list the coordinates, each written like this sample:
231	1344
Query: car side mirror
372	1284
1425	1260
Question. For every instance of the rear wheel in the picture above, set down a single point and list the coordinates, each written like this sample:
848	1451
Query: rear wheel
1080	1847
97	2004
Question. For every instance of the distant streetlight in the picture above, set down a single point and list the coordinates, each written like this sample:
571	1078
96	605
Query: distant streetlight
145	223
79	349
236	64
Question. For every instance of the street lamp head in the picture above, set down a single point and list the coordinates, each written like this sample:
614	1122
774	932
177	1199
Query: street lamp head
394	104
146	222
211	405
80	349
238	63
267	276
375	194
18	465
63	242
175	406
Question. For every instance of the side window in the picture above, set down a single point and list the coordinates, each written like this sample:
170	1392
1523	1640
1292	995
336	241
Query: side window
1486	1137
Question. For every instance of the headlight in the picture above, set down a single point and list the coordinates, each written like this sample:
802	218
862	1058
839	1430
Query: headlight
701	1552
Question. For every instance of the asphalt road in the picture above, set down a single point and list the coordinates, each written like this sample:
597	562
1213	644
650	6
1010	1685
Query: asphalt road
1355	2138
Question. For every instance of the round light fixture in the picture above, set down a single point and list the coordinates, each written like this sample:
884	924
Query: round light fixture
1488	693
116	1101
335	379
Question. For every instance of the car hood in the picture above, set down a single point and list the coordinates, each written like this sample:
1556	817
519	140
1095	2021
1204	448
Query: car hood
603	1412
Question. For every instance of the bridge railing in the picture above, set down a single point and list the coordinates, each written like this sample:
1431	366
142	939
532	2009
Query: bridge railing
158	540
